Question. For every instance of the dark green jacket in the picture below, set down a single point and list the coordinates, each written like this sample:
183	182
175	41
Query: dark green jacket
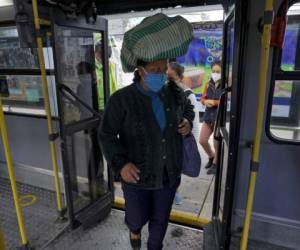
130	133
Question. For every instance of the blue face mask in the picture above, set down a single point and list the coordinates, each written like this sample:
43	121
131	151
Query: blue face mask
155	81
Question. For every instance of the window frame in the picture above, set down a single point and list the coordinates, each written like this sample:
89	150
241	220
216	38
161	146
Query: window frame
277	74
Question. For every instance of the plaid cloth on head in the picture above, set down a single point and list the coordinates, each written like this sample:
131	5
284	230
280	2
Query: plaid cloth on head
156	38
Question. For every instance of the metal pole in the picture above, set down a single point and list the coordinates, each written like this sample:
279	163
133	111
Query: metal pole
38	22
12	177
263	75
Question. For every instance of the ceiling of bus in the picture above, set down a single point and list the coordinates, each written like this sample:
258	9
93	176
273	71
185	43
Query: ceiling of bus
106	7
122	6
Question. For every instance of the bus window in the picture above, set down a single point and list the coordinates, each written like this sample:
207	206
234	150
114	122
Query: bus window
12	56
290	58
26	95
284	115
24	80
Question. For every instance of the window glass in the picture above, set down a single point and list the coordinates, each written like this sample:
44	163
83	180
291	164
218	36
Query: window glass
285	116
80	68
290	60
229	64
285	113
205	49
11	55
25	89
228	82
26	95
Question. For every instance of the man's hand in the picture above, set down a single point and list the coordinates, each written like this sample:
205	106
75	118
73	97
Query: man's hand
130	173
184	127
209	103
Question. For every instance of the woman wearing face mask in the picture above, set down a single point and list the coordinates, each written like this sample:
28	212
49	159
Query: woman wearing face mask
210	99
144	124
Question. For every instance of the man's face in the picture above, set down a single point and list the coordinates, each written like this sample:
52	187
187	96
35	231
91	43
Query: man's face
172	74
98	56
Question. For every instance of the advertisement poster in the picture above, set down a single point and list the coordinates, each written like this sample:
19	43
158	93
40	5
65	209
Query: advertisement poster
283	89
205	49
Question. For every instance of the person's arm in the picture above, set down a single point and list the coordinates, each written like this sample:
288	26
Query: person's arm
186	125
113	150
204	94
188	113
194	102
215	103
196	123
112	78
208	102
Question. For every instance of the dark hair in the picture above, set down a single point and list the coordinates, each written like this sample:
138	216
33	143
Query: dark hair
216	63
179	69
136	76
98	48
139	63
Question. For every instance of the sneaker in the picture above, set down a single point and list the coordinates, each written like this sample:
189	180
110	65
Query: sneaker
209	163
212	170
178	199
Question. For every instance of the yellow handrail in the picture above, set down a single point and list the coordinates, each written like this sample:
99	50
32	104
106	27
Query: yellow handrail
175	216
44	22
263	75
12	177
37	22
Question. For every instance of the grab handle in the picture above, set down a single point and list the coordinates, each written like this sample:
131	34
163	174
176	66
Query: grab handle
64	88
218	125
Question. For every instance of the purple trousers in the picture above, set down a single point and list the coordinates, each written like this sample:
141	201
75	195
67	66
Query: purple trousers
153	206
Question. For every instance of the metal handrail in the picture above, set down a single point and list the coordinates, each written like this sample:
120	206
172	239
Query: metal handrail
63	87
37	23
262	89
12	178
286	128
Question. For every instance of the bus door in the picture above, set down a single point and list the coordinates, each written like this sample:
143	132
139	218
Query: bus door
227	126
80	74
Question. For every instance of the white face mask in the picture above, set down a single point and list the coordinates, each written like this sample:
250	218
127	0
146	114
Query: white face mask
216	76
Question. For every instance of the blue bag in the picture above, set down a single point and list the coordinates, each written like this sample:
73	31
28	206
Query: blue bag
191	157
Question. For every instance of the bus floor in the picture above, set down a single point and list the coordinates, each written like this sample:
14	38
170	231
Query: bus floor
45	232
112	234
40	218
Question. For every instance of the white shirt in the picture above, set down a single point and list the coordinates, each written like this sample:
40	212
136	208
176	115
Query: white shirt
196	122
193	99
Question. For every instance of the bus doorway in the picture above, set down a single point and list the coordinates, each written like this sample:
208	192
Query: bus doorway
195	208
217	233
88	183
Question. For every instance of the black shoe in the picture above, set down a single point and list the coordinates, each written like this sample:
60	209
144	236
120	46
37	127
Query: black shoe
212	170
136	244
209	163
